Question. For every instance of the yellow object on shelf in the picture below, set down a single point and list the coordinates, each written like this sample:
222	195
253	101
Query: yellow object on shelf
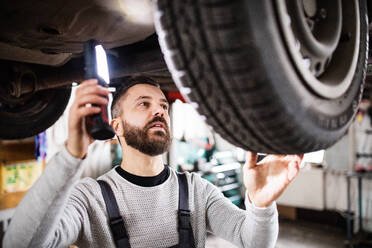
19	176
359	117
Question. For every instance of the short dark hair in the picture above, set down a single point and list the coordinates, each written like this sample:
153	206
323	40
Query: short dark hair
124	87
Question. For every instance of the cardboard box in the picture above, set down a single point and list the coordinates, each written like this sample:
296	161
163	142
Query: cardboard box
18	170
19	176
11	200
17	150
287	212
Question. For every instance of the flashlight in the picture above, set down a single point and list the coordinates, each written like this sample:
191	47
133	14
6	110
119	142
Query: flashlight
96	67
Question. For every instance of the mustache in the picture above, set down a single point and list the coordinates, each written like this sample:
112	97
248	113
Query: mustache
157	119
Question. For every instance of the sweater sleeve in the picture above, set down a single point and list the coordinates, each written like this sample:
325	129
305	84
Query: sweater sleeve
253	227
43	218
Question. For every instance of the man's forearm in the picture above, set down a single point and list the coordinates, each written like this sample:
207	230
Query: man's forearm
264	224
253	227
38	214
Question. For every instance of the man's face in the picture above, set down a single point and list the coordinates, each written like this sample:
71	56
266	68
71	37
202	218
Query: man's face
146	120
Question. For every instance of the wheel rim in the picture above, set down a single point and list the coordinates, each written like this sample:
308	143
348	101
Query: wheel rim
24	109
21	119
322	38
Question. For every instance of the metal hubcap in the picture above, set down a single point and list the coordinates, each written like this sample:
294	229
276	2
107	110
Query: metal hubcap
323	39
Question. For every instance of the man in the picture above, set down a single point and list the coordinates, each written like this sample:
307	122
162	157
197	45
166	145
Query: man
60	210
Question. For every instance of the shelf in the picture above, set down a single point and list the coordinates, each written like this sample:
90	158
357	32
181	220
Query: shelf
229	187
226	167
234	198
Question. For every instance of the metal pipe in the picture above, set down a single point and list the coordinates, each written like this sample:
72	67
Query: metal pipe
351	135
348	215
25	82
360	203
124	63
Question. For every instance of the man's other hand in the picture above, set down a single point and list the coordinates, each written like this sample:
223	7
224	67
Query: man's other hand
265	181
87	94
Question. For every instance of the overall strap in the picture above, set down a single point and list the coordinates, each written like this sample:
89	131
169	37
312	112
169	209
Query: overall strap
186	237
117	226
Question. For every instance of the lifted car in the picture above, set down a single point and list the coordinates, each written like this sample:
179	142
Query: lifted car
274	76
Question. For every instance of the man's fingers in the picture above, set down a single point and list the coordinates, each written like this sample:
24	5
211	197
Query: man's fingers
91	99
297	158
86	85
92	89
271	157
91	86
92	81
251	159
293	169
89	92
86	111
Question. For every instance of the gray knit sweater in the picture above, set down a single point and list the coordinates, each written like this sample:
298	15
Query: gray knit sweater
60	210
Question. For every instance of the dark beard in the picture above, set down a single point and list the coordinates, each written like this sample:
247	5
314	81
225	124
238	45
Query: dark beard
138	138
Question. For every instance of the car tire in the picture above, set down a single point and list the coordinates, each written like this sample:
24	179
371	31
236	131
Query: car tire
235	61
33	115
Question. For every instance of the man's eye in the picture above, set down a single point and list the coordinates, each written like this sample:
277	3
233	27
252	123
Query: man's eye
145	104
165	107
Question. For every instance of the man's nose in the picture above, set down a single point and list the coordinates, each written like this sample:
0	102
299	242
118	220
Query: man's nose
159	111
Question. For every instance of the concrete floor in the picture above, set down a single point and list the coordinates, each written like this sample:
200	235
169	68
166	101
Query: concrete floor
296	235
309	235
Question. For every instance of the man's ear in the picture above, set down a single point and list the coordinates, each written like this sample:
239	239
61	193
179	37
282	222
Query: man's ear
117	125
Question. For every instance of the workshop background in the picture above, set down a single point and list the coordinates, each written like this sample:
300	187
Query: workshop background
329	204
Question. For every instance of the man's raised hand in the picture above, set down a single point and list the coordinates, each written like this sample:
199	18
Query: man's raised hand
265	181
87	94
